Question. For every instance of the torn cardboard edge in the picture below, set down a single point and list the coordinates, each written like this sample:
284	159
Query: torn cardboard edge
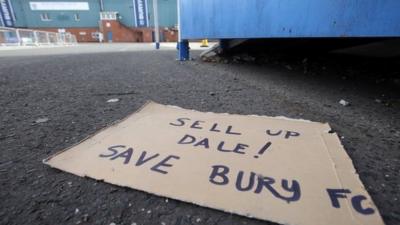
341	162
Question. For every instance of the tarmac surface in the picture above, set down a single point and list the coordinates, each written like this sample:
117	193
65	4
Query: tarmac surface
68	89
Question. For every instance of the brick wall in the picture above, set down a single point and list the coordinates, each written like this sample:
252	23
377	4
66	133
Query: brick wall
144	34
170	35
120	33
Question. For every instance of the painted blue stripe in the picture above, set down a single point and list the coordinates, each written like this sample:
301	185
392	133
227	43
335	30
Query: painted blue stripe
1	20
6	13
134	11
10	6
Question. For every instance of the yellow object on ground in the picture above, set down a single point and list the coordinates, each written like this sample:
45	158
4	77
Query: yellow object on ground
204	43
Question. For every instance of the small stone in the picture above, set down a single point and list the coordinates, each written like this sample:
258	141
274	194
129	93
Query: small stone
387	175
69	183
211	93
85	217
163	223
42	120
198	220
133	223
112	190
378	100
142	209
112	223
247	58
166	200
148	211
130	204
216	59
76	211
288	67
396	81
388	104
344	102
113	100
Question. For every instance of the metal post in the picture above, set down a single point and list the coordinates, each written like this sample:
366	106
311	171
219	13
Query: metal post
156	27
18	37
58	35
183	45
47	37
183	50
36	38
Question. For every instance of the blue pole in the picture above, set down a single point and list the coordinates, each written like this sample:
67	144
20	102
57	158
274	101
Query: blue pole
182	45
183	50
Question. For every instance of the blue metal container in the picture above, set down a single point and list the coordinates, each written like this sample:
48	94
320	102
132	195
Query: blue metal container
246	19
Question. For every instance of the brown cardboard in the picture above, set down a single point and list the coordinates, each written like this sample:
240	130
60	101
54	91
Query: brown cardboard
303	158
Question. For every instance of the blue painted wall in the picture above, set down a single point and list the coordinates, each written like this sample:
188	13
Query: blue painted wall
220	19
19	13
167	13
124	8
25	17
29	18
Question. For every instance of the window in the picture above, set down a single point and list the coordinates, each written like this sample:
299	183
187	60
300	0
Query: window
45	17
108	15
77	17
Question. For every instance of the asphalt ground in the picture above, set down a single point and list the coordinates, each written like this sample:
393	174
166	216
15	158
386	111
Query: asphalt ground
72	90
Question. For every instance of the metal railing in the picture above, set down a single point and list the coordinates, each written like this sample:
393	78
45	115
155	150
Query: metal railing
25	37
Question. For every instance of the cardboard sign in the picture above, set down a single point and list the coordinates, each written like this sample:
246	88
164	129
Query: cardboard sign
277	169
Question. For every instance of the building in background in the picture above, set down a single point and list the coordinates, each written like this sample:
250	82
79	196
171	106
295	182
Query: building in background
117	20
